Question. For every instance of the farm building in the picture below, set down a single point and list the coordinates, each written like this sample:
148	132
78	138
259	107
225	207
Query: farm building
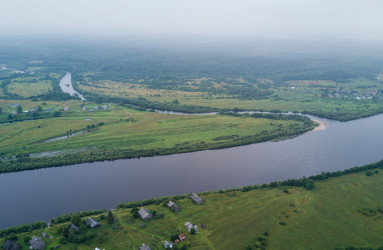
37	243
173	206
145	214
92	222
198	200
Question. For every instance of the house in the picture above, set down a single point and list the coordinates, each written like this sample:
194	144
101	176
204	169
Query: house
173	206
145	214
195	229
92	223
48	109
66	109
104	107
203	226
73	227
198	200
188	226
95	108
182	236
37	243
168	244
14	112
45	235
11	245
85	108
144	247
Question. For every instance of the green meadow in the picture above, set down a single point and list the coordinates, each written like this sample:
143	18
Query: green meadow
123	128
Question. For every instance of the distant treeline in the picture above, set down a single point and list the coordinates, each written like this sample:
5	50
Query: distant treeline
344	116
9	118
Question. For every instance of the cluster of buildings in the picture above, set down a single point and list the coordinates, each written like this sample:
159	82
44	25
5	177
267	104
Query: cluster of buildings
146	215
348	94
39	244
95	108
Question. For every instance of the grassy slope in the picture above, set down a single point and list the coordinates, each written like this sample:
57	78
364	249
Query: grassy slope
323	218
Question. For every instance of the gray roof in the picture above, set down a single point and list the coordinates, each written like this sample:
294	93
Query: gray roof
37	243
145	214
92	222
174	206
168	244
198	200
144	247
73	227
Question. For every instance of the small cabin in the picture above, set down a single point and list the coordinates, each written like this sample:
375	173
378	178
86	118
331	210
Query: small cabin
92	223
198	200
173	206
145	214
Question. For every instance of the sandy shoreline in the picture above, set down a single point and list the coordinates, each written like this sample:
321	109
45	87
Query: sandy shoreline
322	126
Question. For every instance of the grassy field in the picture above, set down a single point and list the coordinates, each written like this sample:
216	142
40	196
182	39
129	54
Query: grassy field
338	213
126	128
29	86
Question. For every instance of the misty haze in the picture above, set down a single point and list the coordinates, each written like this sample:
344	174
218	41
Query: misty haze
191	124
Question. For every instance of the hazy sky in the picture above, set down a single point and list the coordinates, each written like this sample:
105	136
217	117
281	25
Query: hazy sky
267	18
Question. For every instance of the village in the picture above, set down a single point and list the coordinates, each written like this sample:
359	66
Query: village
75	228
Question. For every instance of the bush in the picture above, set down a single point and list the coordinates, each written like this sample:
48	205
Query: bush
369	173
76	219
134	213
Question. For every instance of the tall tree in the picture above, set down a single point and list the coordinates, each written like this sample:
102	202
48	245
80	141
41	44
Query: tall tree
19	109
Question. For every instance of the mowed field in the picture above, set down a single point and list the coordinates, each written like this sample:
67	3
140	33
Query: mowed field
29	87
338	213
126	128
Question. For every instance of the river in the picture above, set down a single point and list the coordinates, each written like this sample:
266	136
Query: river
67	87
46	193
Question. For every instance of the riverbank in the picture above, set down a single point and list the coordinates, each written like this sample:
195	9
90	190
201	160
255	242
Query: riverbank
278	215
321	126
